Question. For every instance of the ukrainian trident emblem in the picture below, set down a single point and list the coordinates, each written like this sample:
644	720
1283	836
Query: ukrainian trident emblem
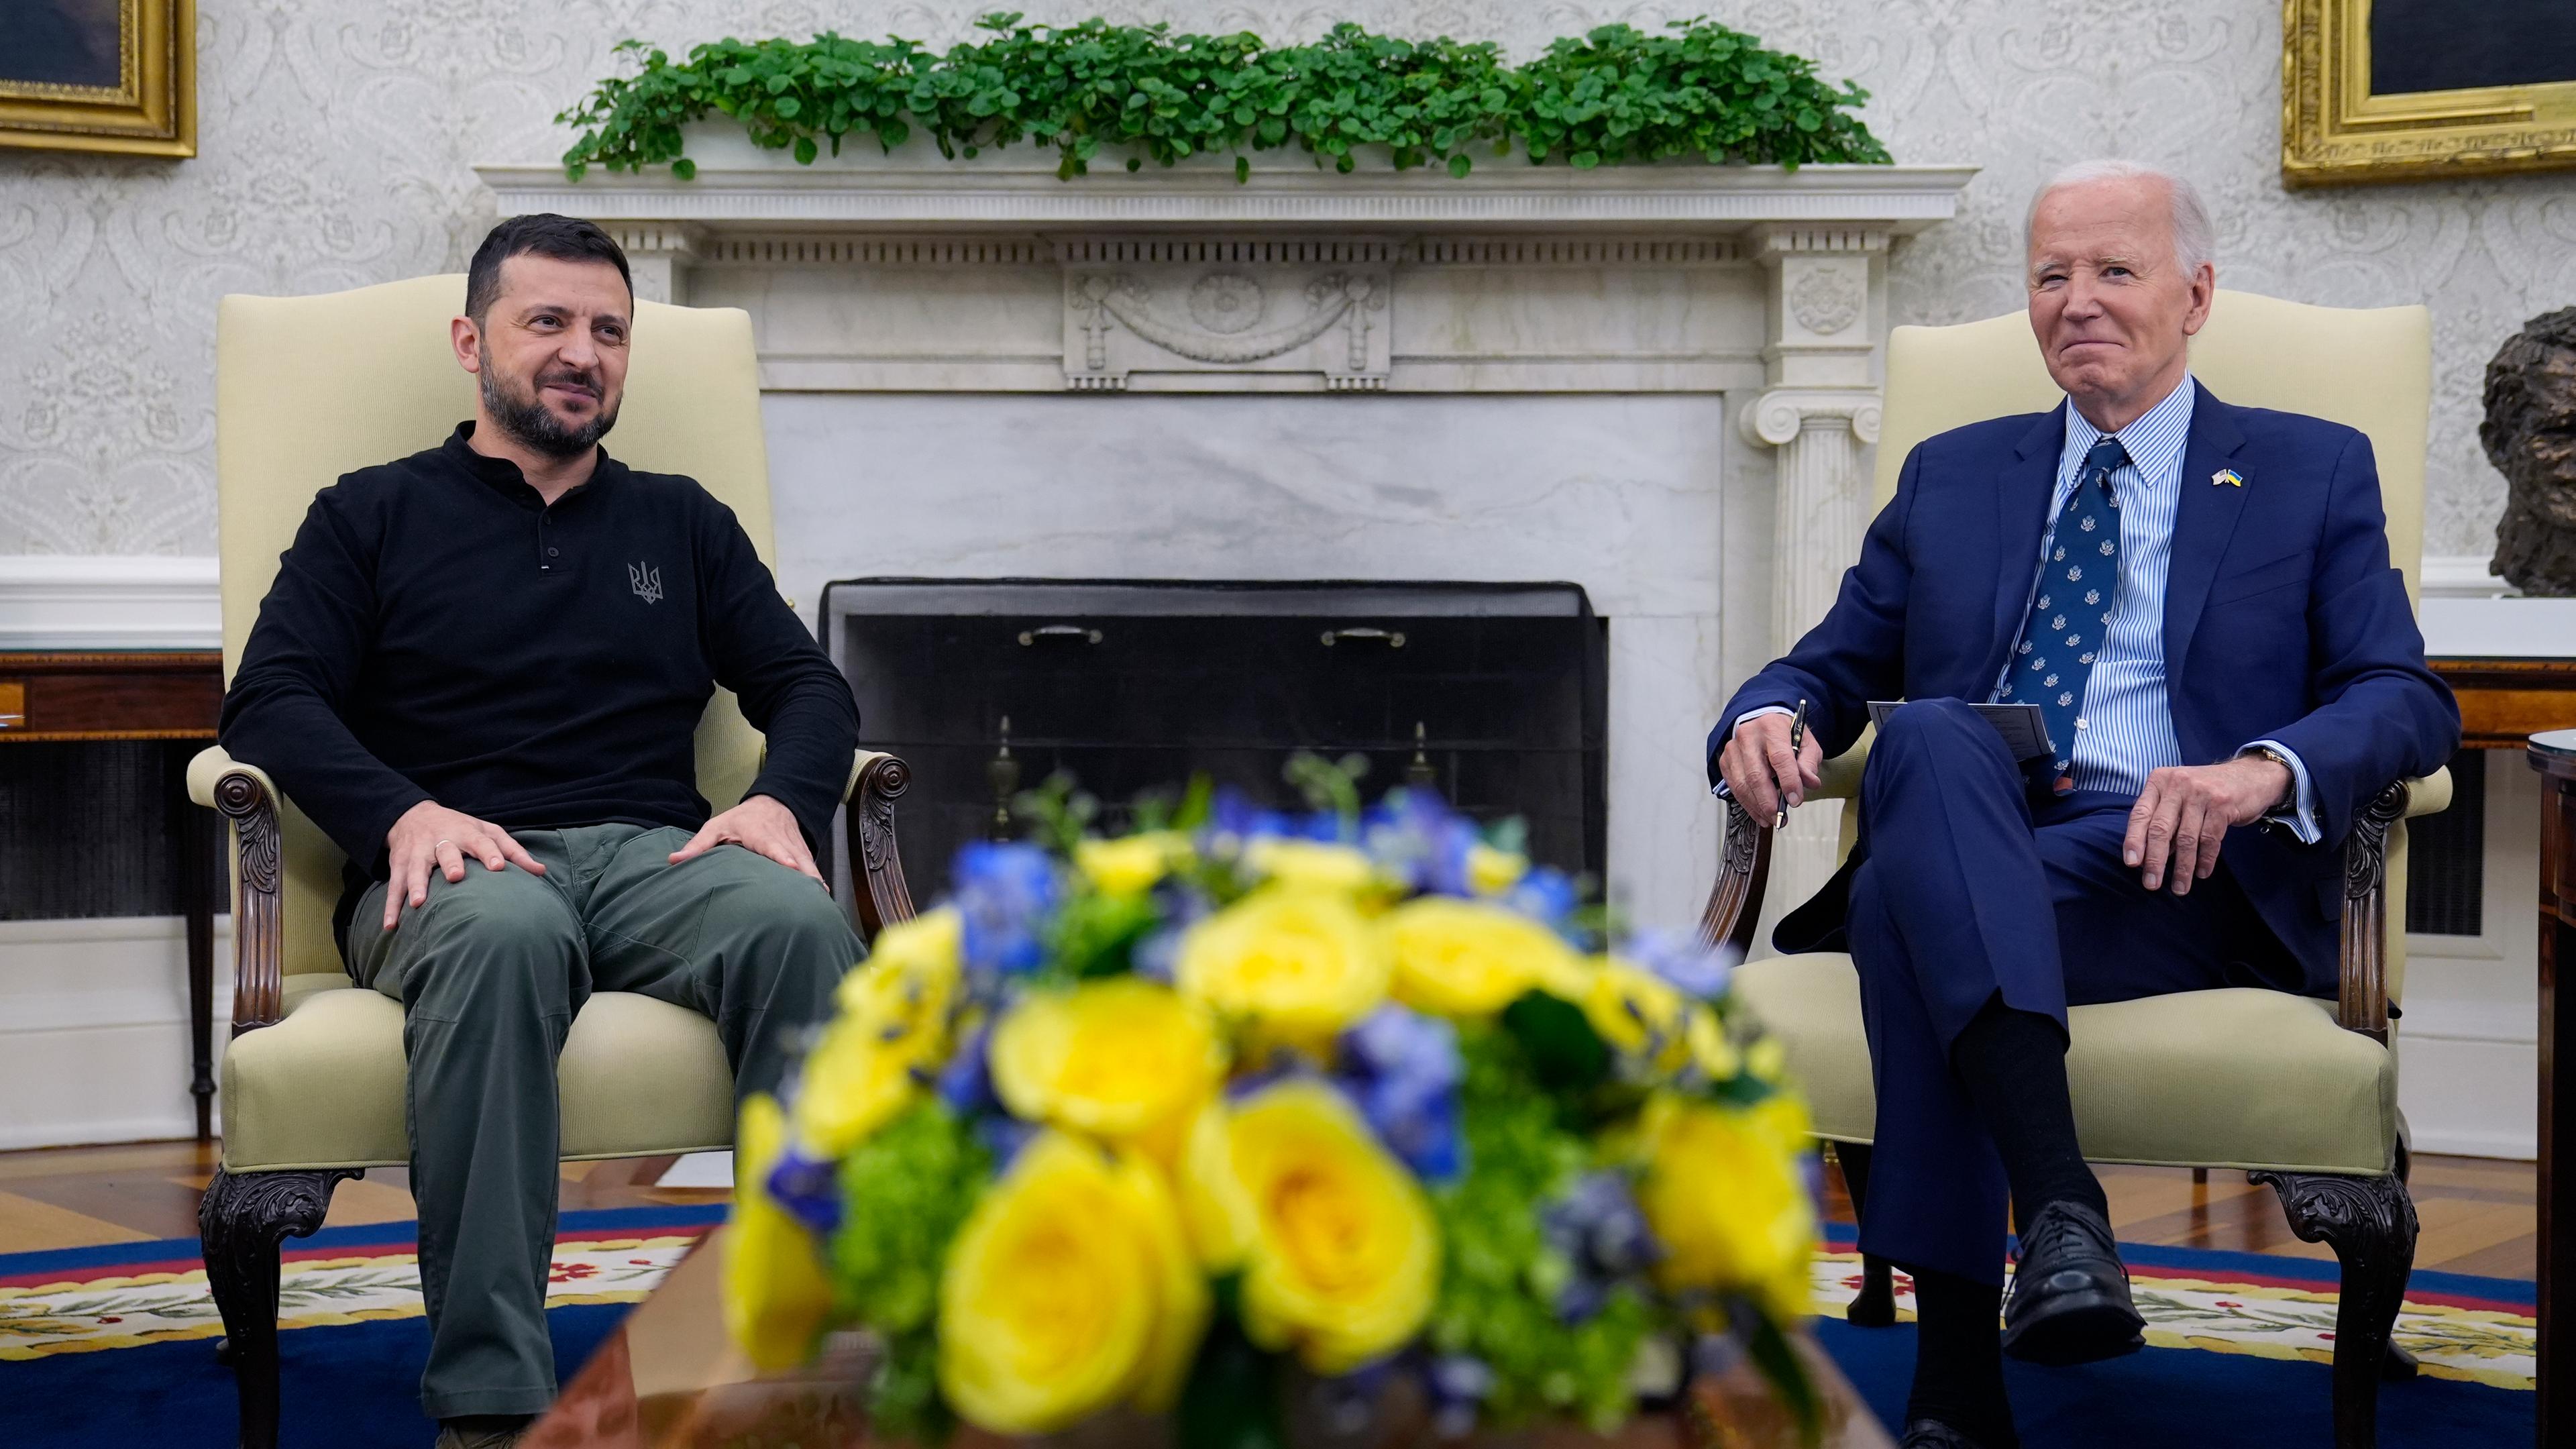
647	582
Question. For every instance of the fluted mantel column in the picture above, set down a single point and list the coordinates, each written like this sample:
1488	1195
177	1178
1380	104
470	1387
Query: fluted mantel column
1818	411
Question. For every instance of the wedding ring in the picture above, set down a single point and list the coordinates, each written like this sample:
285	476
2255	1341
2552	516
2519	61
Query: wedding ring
443	842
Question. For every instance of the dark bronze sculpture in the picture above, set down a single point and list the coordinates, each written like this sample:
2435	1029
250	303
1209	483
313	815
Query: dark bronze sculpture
2530	436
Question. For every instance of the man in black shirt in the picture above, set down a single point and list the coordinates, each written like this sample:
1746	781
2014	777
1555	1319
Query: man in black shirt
480	671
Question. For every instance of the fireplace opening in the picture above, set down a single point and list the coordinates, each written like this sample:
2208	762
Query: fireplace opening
1494	694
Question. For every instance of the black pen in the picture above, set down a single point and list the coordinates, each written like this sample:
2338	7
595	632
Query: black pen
1797	741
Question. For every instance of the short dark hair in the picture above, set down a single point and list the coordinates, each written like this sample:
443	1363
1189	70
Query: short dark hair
544	234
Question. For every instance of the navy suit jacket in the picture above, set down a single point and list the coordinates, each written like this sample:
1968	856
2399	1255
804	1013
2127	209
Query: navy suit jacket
2283	620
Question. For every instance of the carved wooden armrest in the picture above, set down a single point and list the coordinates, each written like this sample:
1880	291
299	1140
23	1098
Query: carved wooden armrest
1735	902
246	796
1743	869
878	895
2361	999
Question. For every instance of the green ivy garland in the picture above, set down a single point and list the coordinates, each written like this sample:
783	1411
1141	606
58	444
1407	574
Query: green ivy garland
1617	95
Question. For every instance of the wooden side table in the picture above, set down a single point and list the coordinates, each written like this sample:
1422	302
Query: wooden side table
2554	755
2504	702
171	695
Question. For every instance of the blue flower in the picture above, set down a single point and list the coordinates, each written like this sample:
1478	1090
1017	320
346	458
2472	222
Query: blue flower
1003	1135
1545	895
966	1082
1233	815
1004	894
808	1188
1683	963
1414	834
1458	1384
1596	1224
1403	1069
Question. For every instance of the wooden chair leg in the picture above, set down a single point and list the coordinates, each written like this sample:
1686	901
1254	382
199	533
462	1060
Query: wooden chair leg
2370	1223
241	1222
1876	1305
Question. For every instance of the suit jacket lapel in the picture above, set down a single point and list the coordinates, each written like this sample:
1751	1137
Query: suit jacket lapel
2204	521
2022	496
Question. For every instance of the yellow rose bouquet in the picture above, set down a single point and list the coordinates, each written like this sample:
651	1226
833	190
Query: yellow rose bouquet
1157	1124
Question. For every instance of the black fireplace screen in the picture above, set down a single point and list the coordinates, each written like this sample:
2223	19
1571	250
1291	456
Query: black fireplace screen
1496	693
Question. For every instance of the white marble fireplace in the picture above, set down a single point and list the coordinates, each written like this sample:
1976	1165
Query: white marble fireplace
1656	382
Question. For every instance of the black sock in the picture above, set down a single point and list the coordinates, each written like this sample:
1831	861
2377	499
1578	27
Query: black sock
1959	1359
2013	1064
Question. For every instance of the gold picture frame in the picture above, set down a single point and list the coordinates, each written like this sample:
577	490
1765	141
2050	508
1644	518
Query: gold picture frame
150	110
2335	130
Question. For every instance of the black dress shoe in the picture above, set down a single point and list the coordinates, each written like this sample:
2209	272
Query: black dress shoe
1933	1434
2070	1295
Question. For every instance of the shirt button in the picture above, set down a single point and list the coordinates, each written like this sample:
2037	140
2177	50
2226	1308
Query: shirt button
2079	724
550	553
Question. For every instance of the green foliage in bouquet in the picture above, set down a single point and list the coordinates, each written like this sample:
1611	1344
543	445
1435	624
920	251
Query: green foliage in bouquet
1616	95
1164	1123
904	1191
1503	1277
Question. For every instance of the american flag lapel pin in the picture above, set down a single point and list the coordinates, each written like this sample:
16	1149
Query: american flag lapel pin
2228	476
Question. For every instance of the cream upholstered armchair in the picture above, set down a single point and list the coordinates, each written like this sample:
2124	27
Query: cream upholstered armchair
2301	1093
309	388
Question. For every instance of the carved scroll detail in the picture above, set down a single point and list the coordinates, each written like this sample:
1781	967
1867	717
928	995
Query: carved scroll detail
259	941
240	1223
1735	901
2362	997
2370	1223
879	896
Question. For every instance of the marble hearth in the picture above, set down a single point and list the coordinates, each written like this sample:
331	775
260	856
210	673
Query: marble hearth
1656	382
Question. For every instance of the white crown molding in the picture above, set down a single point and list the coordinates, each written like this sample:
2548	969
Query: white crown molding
739	186
102	602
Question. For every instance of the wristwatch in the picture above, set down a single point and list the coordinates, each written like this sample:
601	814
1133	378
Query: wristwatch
2281	757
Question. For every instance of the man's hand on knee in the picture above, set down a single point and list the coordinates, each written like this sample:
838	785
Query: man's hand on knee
759	824
1760	771
2185	812
428	837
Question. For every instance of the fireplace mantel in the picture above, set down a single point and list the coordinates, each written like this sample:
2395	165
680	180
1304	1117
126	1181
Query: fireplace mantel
1754	297
743	189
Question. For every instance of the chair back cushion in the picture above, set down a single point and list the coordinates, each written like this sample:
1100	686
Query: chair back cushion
310	388
2367	369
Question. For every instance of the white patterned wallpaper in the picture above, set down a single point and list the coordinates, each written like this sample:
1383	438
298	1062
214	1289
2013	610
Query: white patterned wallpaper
336	139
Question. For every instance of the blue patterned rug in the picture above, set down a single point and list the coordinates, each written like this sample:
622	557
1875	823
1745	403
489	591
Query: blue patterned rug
113	1346
2239	1352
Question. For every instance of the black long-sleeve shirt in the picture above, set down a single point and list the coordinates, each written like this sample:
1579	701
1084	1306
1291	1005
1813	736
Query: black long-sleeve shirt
437	632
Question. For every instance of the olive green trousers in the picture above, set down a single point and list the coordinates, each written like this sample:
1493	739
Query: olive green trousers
490	972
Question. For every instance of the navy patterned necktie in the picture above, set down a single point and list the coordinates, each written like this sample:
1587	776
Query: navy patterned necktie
2071	609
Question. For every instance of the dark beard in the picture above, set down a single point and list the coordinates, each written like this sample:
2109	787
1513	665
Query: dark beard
525	416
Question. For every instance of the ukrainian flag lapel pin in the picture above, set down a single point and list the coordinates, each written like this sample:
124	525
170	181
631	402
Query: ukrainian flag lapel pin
2228	476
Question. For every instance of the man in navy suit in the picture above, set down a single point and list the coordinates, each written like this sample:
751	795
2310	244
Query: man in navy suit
2199	599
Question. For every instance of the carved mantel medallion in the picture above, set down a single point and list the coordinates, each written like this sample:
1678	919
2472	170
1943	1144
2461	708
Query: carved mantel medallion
1279	313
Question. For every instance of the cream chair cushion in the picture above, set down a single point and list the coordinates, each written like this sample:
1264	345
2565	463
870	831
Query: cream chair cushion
308	389
324	1087
2232	1078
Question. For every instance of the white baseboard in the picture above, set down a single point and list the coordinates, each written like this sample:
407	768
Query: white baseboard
94	1030
98	602
2468	1079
